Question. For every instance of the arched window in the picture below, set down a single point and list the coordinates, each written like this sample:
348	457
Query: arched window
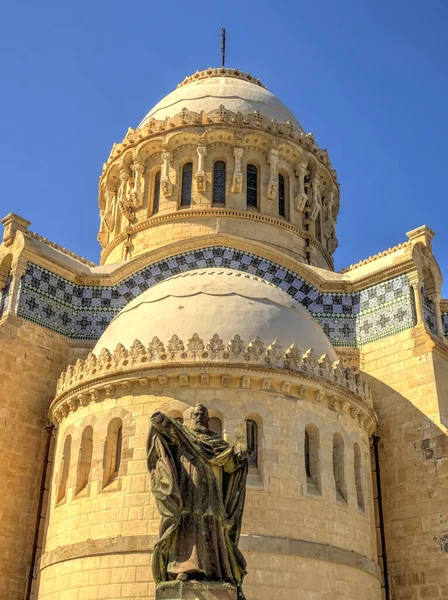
84	459
219	182
311	457
215	425
359	476
281	196
187	178
252	186
338	467
112	451
156	201
307	455
65	466
252	442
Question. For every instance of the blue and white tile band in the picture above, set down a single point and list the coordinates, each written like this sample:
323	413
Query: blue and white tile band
83	312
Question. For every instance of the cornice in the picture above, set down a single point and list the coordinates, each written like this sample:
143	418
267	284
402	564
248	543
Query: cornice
177	363
207	213
47	242
374	257
222	72
218	118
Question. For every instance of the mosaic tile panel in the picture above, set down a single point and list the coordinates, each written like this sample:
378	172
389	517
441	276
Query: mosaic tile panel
445	323
5	294
429	313
84	312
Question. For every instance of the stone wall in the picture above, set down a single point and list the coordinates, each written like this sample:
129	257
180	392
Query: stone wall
99	541
31	360
408	377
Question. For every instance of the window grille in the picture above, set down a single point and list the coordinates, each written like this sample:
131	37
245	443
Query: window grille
187	178
219	182
252	186
156	202
252	442
307	455
281	196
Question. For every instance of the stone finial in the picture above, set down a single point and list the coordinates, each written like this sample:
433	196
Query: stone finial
13	223
422	234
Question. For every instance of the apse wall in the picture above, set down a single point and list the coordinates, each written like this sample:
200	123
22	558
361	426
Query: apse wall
299	531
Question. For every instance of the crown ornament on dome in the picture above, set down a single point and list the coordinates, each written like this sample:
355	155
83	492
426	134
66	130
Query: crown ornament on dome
221	72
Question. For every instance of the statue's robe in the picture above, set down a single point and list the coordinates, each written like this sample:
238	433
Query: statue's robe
199	486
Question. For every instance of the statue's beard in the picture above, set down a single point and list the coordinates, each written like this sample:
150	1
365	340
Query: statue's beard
199	427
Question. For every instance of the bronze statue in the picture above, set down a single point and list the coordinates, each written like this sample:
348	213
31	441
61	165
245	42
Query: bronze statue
199	484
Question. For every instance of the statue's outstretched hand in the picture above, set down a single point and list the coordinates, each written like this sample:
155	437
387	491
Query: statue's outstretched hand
242	455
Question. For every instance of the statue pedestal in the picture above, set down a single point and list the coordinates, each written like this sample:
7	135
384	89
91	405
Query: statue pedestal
195	590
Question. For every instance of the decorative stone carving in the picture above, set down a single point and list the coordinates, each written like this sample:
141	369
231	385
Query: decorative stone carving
237	184
183	380
245	382
301	196
165	183
272	191
201	182
136	193
225	381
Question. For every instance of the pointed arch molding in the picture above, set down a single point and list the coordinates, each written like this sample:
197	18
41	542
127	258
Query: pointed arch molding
84	311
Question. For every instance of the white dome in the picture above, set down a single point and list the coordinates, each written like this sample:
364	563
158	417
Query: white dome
236	93
222	301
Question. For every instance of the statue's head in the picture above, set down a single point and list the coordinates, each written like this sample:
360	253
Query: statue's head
200	416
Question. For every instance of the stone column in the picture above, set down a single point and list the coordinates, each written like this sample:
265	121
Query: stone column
416	285
301	196
18	271
200	175
136	193
237	184
272	193
435	299
165	183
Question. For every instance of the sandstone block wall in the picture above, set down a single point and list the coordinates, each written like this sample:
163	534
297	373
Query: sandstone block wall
31	360
408	378
117	525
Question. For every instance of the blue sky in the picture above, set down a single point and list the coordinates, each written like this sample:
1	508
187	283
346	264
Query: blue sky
368	78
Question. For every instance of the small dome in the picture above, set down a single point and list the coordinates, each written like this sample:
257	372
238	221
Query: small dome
222	301
237	91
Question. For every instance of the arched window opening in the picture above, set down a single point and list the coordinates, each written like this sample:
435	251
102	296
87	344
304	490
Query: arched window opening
156	200
112	451
179	419
252	186
219	182
84	459
215	425
359	477
187	178
311	456
281	196
252	442
65	466
338	467
307	455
